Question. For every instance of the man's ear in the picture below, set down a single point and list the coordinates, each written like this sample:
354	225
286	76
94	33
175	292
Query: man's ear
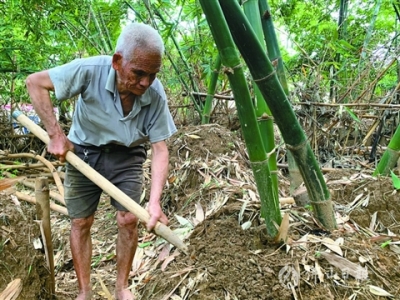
117	61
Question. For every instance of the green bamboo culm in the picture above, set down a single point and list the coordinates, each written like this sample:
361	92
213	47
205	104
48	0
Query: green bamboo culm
263	113
245	109
274	55
390	156
211	90
265	76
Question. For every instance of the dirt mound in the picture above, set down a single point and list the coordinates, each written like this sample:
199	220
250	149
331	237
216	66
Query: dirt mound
18	256
227	262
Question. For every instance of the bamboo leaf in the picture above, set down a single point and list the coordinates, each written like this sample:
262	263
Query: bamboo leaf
352	115
193	136
396	180
331	244
246	225
12	290
184	222
379	291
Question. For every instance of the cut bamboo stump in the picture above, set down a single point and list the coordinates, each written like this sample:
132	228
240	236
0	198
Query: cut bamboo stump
43	212
53	195
160	229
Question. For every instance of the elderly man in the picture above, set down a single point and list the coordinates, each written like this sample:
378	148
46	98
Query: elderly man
121	105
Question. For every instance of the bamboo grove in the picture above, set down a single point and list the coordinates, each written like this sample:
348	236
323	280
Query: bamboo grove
343	54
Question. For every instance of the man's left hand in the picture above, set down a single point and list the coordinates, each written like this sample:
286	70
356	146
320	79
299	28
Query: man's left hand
156	214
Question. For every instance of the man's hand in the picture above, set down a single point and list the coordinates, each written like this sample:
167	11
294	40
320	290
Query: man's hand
156	214
59	145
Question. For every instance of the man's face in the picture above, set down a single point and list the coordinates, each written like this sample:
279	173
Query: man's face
135	76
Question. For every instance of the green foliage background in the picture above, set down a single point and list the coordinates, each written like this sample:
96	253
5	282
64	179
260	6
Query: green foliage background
36	35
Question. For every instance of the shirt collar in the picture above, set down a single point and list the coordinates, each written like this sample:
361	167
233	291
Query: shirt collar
110	85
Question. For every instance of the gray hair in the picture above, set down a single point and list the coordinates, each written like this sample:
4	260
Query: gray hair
138	35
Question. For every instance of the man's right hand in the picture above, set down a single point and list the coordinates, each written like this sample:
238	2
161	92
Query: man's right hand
59	145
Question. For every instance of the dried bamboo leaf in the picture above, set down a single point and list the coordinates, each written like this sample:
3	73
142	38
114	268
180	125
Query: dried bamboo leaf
183	271
246	225
137	260
301	242
199	212
12	290
183	221
373	221
283	229
345	265
167	261
394	248
379	291
319	271
193	136
106	292
164	252
332	245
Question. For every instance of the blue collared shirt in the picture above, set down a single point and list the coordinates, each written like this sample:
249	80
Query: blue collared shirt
98	117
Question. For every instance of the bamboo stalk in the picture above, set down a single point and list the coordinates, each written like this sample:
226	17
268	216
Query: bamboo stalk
246	113
263	113
211	91
106	49
43	211
188	70
264	75
53	195
26	166
275	56
390	156
160	229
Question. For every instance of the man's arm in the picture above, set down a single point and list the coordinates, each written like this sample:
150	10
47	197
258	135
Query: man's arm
159	172
39	85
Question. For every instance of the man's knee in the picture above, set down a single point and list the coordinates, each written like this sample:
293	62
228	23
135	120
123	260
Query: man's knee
82	223
126	219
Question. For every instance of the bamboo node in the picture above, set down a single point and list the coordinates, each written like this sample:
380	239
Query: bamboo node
299	146
266	77
261	162
227	70
322	203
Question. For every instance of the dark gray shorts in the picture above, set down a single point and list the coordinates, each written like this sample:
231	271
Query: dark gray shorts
122	166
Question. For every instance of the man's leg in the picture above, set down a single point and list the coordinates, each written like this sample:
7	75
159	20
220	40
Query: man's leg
126	248
81	248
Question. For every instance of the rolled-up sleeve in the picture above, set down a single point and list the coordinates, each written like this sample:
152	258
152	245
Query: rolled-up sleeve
69	80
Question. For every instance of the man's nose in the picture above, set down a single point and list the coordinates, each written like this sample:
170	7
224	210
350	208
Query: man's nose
145	81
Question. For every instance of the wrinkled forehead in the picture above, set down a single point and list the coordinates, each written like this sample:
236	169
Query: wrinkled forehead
147	61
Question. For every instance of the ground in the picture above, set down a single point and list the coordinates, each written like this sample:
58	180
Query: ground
212	204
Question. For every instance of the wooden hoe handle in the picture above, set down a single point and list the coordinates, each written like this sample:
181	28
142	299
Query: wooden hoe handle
160	229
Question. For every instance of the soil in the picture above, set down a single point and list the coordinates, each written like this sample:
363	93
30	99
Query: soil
212	204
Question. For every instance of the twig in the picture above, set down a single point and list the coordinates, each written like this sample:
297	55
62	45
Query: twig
48	164
30	199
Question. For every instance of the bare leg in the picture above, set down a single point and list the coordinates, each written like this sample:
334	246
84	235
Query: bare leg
126	248
81	248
